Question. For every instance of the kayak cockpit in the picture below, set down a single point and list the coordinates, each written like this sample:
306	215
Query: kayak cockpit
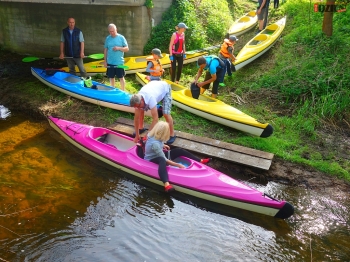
106	137
74	80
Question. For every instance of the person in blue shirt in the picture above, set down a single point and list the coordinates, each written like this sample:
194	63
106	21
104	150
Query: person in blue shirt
216	72
72	47
114	48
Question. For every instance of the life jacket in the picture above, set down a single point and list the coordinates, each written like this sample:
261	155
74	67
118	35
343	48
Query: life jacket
212	57
224	48
178	43
156	66
71	43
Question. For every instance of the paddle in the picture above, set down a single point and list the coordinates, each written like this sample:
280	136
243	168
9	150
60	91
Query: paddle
119	66
34	58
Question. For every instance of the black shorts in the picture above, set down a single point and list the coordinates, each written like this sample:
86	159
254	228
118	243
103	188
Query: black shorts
113	71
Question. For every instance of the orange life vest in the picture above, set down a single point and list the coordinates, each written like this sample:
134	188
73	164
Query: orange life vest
225	45
156	66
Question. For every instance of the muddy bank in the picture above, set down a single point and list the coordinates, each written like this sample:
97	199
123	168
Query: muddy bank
13	73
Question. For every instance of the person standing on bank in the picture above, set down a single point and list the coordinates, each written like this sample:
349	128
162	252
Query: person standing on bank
226	53
72	46
261	14
216	72
147	99
177	51
114	48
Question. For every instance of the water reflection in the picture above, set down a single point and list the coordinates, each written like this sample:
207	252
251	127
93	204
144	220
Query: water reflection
58	205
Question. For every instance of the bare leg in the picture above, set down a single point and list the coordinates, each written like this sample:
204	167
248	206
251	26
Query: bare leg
112	82
122	83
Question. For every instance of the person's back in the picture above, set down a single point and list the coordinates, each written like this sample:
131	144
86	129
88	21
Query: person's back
154	92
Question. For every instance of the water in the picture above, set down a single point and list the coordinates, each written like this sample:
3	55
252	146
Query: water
58	205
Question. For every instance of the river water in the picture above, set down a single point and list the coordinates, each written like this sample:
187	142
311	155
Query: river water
58	205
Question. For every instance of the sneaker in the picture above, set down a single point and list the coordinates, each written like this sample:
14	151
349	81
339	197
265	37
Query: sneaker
169	189
222	84
205	160
171	140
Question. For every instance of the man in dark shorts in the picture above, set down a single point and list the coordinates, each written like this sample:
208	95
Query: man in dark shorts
115	47
261	14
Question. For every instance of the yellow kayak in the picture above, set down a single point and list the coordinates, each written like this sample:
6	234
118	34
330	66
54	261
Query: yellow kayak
260	43
135	64
214	110
244	24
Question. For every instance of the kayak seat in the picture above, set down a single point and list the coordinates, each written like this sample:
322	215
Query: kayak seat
101	87
116	141
244	19
258	39
182	161
252	13
177	88
72	79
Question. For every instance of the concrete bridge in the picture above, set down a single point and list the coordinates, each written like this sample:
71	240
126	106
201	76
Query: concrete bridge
34	26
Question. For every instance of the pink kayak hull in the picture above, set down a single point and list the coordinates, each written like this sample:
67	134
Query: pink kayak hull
196	180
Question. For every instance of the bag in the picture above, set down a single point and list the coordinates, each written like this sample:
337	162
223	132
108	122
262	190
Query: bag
195	90
160	111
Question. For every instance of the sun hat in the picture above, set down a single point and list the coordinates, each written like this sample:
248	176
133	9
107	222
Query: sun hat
157	52
181	25
233	38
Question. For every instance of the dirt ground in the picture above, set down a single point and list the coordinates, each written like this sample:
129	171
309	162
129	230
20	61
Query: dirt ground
13	72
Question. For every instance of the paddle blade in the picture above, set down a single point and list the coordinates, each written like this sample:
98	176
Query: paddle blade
30	59
96	56
123	66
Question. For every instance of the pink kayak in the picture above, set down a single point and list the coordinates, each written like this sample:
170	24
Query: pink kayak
197	180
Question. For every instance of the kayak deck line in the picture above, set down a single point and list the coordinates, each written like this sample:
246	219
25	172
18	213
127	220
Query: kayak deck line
203	145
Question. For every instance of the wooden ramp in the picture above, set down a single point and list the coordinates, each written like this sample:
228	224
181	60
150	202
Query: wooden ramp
207	146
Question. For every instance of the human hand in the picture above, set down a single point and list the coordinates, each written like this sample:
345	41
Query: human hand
115	48
166	147
171	58
181	166
136	139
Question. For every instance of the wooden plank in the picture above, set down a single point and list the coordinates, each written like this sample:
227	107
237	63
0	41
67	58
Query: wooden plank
206	146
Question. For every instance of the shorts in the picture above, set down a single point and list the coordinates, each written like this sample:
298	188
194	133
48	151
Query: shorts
167	103
113	71
262	14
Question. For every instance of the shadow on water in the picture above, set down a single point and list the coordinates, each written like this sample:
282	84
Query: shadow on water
60	204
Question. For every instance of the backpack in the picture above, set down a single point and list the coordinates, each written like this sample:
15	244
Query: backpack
221	63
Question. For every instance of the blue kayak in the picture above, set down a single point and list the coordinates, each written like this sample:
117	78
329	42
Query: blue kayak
99	94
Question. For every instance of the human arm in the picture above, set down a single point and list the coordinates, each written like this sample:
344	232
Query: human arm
82	46
172	39
121	48
212	79
139	114
261	7
61	50
105	51
199	73
172	163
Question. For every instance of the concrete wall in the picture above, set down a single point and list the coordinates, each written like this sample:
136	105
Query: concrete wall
35	28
